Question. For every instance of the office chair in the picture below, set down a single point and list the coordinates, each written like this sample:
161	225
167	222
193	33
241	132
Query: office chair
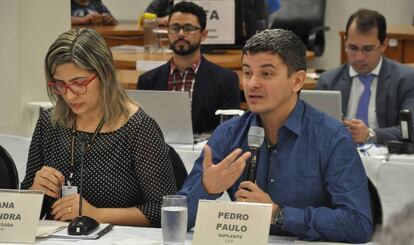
376	209
304	18
9	178
180	173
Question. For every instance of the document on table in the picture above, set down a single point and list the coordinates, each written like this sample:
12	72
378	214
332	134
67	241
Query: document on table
46	228
102	230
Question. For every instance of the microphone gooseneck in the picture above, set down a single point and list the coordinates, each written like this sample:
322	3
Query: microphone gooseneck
255	139
82	225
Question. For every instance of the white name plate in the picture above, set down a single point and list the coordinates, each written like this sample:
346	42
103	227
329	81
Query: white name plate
19	215
224	222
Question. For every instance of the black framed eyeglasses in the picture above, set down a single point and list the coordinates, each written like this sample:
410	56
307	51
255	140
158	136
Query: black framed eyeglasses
187	29
78	87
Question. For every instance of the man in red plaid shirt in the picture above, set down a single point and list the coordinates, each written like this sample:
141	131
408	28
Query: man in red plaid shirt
210	86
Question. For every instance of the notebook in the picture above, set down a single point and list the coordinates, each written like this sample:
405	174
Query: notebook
171	110
327	101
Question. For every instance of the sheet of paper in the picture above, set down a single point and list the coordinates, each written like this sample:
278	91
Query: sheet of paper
46	228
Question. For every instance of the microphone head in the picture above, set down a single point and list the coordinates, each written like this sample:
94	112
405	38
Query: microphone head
255	137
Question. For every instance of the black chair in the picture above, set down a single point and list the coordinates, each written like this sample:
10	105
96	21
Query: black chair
306	19
180	173
9	178
376	209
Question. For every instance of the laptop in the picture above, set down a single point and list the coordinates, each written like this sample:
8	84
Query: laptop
171	110
327	101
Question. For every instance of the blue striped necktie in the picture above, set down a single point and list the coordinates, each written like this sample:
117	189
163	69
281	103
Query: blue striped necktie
362	110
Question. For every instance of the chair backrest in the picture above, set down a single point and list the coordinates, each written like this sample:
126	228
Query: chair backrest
9	178
300	17
180	173
376	208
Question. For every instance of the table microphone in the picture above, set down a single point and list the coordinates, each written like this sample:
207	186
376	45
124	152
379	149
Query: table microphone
255	139
82	225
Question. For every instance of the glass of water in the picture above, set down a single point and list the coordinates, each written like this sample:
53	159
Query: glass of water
174	219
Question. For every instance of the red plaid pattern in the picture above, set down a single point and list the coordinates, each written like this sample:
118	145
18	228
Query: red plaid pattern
183	81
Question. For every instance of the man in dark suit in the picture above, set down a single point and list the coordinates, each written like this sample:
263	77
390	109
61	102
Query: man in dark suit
374	89
210	87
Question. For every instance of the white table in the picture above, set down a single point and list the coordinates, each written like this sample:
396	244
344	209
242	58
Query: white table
393	176
120	233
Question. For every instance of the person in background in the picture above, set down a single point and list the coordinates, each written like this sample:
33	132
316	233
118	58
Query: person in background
210	86
308	167
399	229
127	169
374	88
90	12
162	8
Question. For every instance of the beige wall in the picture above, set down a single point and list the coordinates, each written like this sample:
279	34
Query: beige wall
28	28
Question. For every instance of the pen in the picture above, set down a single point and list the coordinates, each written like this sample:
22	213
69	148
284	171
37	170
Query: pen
105	230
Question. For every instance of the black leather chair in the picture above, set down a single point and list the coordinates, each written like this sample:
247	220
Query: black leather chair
376	208
180	173
306	19
9	178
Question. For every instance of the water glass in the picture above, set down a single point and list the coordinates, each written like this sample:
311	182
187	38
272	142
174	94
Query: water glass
174	219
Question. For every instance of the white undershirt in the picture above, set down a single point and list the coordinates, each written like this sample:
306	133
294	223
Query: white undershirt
357	88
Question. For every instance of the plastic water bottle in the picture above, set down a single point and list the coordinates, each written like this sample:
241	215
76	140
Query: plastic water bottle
150	37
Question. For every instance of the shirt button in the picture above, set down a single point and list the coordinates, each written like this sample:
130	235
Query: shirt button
275	151
272	180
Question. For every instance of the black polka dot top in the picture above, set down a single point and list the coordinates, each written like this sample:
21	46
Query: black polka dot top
128	167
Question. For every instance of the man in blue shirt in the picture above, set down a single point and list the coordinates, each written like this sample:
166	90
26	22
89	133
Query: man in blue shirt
308	167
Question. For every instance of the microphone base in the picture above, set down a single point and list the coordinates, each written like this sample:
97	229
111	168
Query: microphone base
400	147
82	225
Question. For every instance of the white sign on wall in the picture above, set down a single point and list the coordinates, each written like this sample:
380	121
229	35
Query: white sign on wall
220	20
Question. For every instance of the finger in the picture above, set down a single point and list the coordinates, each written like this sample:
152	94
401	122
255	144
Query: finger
242	193
231	159
238	166
48	187
249	186
63	213
53	174
65	200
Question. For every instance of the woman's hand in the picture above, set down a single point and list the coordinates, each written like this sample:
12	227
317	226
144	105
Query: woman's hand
67	208
49	180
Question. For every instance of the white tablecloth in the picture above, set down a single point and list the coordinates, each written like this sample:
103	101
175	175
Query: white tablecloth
120	233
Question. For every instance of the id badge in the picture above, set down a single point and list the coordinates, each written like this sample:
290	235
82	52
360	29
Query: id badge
69	190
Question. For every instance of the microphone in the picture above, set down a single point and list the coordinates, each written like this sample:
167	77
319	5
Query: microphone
255	139
82	225
406	146
406	125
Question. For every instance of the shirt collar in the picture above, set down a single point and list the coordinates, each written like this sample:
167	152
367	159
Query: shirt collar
194	66
294	121
376	71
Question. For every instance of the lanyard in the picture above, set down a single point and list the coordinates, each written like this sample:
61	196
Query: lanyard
95	133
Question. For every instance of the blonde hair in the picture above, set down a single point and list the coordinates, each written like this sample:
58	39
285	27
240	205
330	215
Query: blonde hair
86	49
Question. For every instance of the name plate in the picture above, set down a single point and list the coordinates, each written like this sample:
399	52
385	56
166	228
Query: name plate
19	215
224	222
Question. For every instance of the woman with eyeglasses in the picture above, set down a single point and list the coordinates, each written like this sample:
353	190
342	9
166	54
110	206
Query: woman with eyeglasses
125	159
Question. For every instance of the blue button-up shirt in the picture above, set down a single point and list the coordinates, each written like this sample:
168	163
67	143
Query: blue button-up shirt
314	172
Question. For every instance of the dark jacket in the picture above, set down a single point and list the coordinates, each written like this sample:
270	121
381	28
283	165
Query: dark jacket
395	92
